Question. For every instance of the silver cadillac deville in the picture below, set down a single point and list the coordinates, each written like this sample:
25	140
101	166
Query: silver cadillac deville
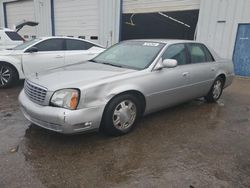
129	80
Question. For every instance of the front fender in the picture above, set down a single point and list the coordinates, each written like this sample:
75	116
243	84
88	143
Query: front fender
121	89
102	94
16	62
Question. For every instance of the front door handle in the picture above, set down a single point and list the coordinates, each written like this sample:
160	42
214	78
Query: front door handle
185	74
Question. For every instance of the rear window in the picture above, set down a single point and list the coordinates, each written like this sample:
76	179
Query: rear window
14	36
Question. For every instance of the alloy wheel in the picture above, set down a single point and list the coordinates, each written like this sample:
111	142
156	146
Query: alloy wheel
217	89
5	75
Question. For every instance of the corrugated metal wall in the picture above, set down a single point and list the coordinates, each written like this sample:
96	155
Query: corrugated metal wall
109	28
76	18
43	16
218	23
19	11
107	13
146	6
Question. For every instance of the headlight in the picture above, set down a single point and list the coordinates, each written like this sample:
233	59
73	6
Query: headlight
66	98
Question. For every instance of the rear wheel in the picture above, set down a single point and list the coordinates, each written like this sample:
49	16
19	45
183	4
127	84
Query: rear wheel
216	90
8	75
121	114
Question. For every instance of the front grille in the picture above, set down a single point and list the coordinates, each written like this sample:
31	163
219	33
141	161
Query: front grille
35	92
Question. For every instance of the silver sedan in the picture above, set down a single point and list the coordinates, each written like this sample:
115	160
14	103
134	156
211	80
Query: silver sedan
129	80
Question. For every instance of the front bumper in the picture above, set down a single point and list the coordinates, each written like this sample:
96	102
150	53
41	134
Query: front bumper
60	119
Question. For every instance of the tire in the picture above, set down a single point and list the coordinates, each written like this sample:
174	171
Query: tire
121	114
8	75
215	91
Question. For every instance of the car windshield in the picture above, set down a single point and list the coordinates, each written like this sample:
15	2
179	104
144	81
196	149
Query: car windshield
26	44
130	54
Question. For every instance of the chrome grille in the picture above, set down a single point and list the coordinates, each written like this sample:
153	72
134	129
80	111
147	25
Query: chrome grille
35	92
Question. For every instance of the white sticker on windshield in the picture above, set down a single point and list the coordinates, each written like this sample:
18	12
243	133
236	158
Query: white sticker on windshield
150	44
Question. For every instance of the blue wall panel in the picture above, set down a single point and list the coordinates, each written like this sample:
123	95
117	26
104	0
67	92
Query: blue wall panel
241	56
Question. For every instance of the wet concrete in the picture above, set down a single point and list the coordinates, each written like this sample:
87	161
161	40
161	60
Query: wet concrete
192	145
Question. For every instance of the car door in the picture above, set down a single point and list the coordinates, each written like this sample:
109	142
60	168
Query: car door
171	85
50	55
79	51
203	69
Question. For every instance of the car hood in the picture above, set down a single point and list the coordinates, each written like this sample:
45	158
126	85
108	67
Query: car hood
10	52
77	76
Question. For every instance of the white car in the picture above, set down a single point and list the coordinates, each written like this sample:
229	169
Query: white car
9	38
42	54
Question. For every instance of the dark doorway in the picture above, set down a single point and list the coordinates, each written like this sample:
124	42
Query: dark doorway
171	25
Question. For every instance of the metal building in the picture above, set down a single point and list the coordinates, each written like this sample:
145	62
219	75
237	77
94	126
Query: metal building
225	26
222	24
96	20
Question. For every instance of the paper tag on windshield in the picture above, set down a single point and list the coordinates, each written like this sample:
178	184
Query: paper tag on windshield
150	44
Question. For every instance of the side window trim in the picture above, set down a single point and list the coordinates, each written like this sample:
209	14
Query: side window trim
188	54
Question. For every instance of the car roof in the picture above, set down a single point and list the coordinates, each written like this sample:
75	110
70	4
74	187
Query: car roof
64	37
165	41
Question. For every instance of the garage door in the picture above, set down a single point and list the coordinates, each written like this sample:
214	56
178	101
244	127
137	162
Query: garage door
146	6
78	18
19	11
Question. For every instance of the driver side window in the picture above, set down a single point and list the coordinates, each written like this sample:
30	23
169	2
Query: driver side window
177	52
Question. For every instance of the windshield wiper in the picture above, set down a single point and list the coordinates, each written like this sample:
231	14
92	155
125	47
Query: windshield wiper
112	65
94	61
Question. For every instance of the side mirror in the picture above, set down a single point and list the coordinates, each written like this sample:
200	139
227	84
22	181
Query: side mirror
169	63
166	63
32	50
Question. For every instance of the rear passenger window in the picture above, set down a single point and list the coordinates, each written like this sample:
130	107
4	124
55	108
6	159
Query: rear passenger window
51	45
77	45
177	52
197	53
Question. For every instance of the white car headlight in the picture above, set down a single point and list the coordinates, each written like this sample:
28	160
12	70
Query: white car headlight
66	98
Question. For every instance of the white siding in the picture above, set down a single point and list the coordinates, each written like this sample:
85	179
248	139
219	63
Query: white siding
109	25
218	23
19	11
43	17
76	18
144	6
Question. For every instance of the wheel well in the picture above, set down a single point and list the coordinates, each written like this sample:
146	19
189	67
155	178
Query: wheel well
223	76
136	94
14	68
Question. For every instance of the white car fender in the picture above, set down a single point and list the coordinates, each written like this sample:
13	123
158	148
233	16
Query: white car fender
16	62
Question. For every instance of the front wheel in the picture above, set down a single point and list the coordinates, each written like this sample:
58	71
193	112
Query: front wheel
215	91
121	114
8	75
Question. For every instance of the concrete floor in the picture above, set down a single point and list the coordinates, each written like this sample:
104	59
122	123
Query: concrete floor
192	145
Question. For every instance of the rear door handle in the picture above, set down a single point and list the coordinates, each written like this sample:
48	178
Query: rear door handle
185	73
213	69
91	53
